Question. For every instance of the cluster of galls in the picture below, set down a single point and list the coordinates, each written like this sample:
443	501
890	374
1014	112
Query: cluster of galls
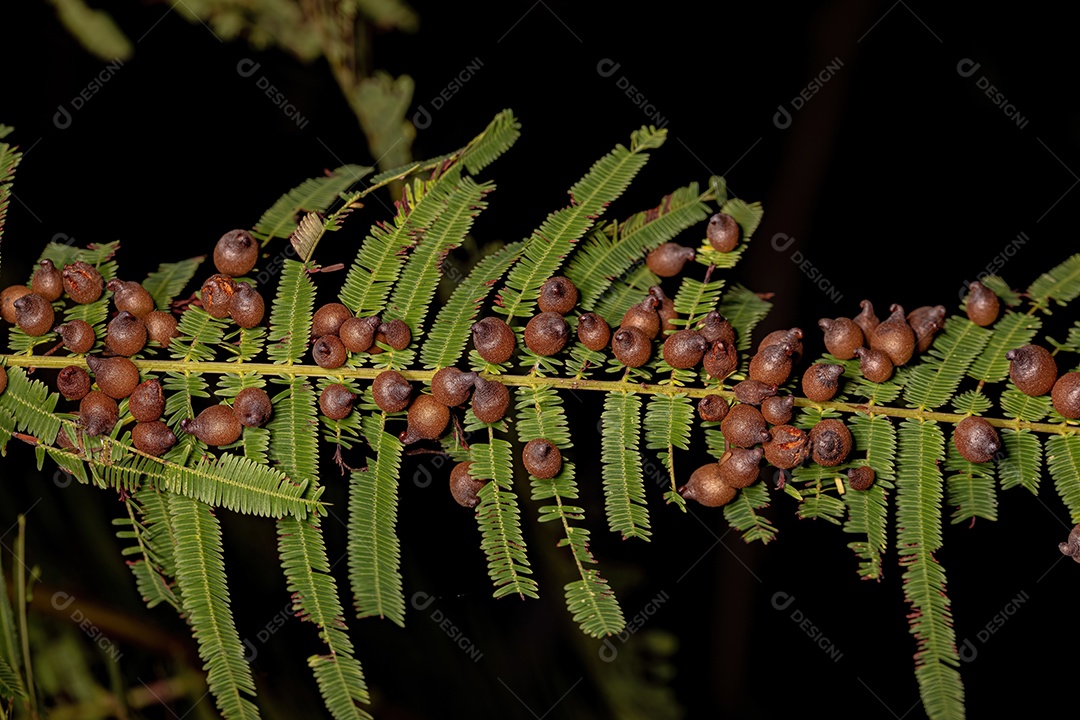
542	459
1034	372
758	425
222	296
117	378
545	334
882	345
137	322
642	323
668	259
31	309
220	425
429	414
337	332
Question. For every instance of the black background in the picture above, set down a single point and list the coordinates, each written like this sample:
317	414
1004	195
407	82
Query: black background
899	180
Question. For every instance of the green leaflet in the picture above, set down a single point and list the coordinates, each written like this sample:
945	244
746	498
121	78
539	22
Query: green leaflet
381	257
7	426
32	405
236	483
290	314
309	231
971	402
256	444
629	289
179	389
340	679
155	573
200	334
374	552
314	591
307	570
1016	404
498	518
245	344
313	195
934	380
498	137
590	600
667	424
294	444
170	279
1061	284
1063	461
970	489
1022	464
540	414
414	291
668	421
1072	341
624	483
868	515
609	252
1001	288
445	342
818	500
10	683
552	241
868	510
200	573
741	513
744	309
9	160
695	300
1010	331
918	522
748	215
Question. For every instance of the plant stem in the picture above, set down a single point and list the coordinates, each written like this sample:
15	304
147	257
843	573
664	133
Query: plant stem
20	599
573	383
